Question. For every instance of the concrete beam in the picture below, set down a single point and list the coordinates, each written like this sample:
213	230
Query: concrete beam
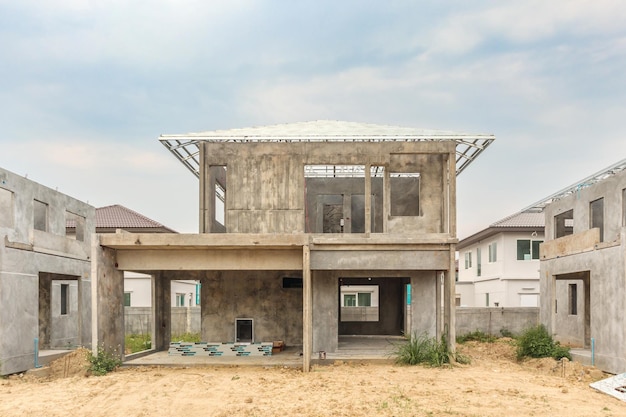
209	259
201	241
380	260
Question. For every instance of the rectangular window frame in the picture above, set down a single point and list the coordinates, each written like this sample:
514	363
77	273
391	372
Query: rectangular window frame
65	299
493	252
528	249
180	299
573	299
596	216
40	215
127	297
564	224
468	260
7	201
478	262
399	192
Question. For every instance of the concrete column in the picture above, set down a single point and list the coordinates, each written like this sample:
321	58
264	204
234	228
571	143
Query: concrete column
438	306
161	310
307	310
203	223
450	301
424	304
386	200
107	296
368	199
450	202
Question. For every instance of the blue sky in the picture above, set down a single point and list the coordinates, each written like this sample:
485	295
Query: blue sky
86	88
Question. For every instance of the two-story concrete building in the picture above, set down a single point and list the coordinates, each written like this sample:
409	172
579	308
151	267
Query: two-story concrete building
45	274
290	214
583	268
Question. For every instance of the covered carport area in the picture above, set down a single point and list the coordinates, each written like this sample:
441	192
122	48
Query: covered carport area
252	276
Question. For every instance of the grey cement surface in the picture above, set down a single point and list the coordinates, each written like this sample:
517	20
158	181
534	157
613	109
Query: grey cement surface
351	348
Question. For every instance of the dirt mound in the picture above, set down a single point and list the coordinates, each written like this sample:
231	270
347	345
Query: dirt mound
75	363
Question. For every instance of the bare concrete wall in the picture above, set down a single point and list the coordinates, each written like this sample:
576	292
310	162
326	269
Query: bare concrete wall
108	300
424	303
607	294
259	295
325	311
25	253
604	262
138	320
492	320
266	185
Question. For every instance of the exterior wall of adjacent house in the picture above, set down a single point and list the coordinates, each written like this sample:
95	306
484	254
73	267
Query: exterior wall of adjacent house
583	275
138	287
45	282
507	282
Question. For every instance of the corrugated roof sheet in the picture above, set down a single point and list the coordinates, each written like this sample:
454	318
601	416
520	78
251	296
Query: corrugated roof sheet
522	219
185	146
120	217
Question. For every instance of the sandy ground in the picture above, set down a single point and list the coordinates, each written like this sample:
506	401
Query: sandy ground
494	384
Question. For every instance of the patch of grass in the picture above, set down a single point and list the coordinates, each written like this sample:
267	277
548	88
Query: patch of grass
476	336
536	342
422	350
187	337
104	362
137	342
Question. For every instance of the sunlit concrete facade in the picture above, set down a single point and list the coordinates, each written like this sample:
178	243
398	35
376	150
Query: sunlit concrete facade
583	269
45	280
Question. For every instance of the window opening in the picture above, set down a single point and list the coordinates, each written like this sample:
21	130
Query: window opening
493	252
486	299
40	216
244	330
6	208
218	177
528	249
127	299
468	260
624	207
359	302
335	198
478	263
180	299
404	192
573	299
74	226
65	299
596	209
564	224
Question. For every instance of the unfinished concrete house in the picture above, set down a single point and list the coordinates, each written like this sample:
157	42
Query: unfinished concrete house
583	268
309	234
45	283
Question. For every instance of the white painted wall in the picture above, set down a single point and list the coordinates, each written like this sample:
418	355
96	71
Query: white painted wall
140	288
508	281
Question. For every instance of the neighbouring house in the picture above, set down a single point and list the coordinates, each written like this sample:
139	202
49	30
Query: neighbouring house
293	216
45	274
499	266
583	268
137	286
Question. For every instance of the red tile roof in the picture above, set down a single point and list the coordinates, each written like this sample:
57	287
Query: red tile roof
120	217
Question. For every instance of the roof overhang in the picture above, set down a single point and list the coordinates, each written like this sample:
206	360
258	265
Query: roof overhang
186	146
